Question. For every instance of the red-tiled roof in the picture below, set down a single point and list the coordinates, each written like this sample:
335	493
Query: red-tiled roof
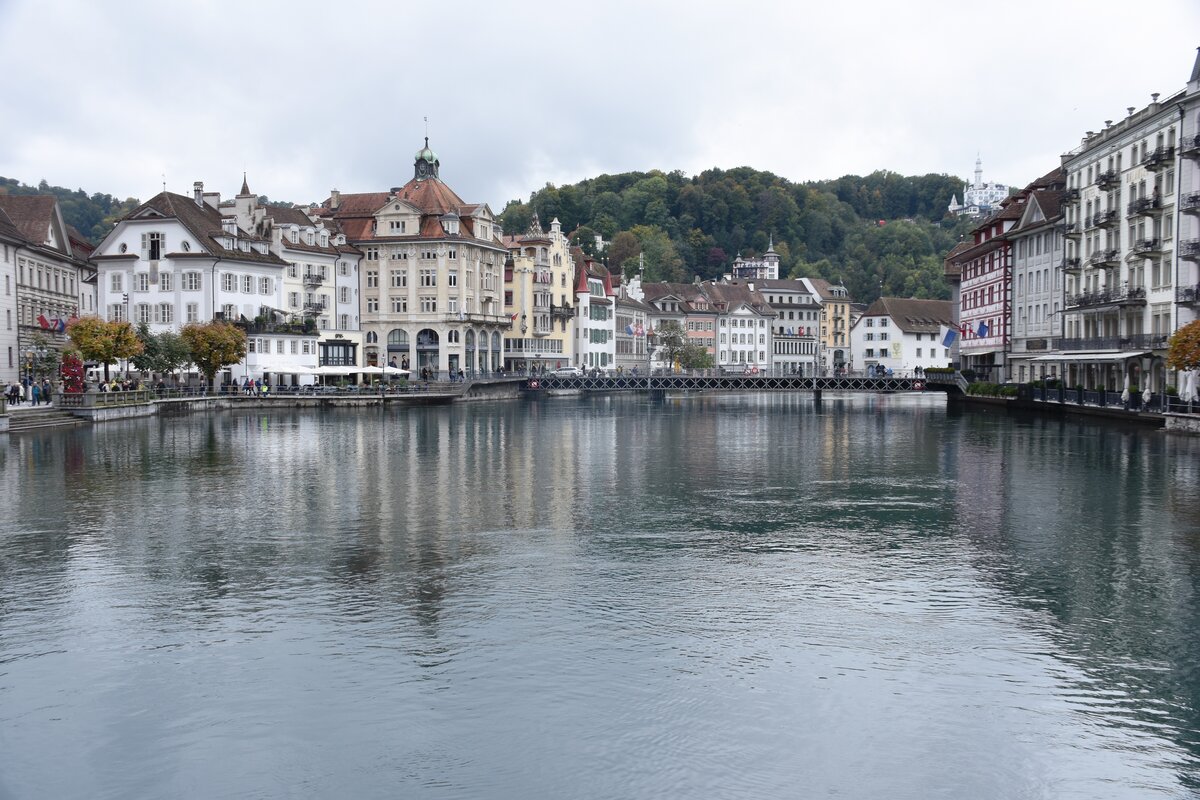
30	213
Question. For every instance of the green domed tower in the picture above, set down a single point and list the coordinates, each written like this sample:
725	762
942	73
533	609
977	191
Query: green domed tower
425	164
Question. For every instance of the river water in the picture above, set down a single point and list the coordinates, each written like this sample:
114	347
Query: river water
743	596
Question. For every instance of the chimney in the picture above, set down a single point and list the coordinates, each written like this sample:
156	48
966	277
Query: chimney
198	192
335	199
213	199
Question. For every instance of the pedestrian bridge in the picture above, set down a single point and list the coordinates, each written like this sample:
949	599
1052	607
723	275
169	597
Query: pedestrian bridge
713	381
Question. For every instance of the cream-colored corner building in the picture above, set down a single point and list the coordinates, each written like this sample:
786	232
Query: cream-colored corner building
538	285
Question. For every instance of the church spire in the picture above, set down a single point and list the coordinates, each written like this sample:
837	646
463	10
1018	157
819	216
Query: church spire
245	192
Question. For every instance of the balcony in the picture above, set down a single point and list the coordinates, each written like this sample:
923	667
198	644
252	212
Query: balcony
313	279
1147	247
1188	295
1189	146
1104	219
1159	157
561	312
1190	203
1136	341
1070	197
1072	265
1108	180
1105	259
1190	249
1125	296
314	308
1145	205
1071	229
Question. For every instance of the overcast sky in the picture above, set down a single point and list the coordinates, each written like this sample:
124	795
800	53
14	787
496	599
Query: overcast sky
111	96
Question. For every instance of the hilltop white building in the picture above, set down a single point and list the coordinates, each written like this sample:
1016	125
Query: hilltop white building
979	198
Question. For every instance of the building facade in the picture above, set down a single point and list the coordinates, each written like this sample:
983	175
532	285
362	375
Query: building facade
176	260
539	280
433	272
902	335
985	291
47	279
979	198
595	327
796	327
765	267
1037	280
834	342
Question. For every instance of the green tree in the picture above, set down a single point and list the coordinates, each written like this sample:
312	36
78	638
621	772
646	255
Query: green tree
678	349
104	342
42	360
213	345
161	352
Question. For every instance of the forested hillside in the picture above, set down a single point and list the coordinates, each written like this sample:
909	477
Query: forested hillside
91	215
883	230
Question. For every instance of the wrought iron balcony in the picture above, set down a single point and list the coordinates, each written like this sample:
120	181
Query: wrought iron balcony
1188	295
1147	247
1072	265
313	279
1127	296
1145	205
1105	259
314	308
1070	196
1159	157
1071	229
1137	341
1108	180
1190	249
561	312
1103	219
1189	146
1190	203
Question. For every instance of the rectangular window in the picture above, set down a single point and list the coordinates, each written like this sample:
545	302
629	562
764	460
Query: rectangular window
372	279
279	346
165	313
293	347
193	312
142	312
293	271
428	305
344	321
264	285
399	305
230	311
429	277
141	281
293	299
372	305
343	294
191	281
165	282
228	282
116	312
399	278
248	284
452	277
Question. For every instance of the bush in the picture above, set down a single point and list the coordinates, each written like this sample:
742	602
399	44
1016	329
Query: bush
1172	391
984	389
969	375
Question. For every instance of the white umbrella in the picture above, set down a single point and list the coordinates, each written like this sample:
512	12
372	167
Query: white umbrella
390	370
1146	391
369	370
1190	380
1125	391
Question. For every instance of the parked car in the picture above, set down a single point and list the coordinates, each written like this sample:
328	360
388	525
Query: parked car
568	372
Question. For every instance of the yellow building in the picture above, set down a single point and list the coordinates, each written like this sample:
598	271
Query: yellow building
835	324
538	284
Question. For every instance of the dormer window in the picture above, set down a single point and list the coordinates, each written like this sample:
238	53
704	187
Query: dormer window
295	235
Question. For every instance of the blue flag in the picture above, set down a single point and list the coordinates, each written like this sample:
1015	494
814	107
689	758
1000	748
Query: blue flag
948	337
983	330
629	329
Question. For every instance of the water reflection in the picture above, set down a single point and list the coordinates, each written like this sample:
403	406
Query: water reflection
721	596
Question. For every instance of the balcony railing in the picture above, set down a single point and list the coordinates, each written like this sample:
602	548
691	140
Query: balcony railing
1070	196
1105	259
1107	180
1188	294
312	279
1190	203
1189	146
1102	219
1071	229
1145	205
1137	341
1147	247
561	312
1190	249
1072	264
1128	295
1159	157
314	308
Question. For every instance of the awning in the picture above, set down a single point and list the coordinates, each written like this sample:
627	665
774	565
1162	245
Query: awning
974	353
1093	357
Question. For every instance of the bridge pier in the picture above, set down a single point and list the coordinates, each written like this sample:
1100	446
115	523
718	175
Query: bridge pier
817	396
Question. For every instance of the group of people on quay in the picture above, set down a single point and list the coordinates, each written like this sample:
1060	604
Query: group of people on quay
29	391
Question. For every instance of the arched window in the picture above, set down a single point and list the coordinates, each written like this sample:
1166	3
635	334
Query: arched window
470	339
372	337
397	340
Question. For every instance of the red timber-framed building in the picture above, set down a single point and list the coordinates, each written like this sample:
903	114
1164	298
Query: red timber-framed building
985	293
